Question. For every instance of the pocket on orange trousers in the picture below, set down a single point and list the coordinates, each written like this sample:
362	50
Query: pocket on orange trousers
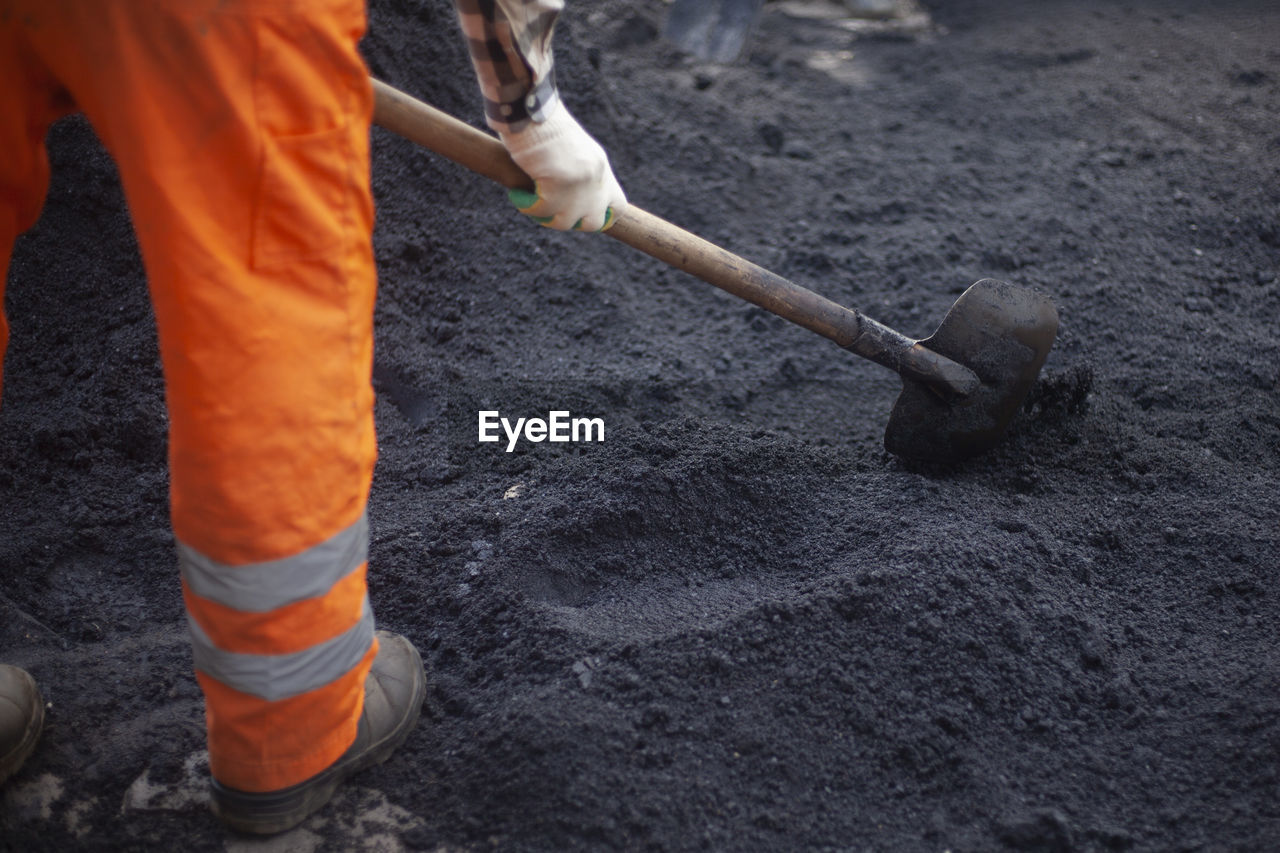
308	82
303	207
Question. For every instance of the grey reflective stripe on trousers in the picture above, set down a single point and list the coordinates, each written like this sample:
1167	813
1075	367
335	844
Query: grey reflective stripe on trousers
275	677
259	587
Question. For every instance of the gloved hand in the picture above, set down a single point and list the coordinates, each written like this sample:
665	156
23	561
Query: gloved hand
575	187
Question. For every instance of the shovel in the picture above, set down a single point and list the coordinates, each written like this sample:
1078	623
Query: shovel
961	386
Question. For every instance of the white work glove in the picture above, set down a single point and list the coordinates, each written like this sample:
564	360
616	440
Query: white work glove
574	186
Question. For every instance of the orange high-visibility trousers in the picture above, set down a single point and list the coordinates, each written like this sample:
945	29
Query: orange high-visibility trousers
241	132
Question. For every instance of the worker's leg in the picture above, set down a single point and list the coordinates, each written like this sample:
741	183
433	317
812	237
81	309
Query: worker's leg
241	134
29	102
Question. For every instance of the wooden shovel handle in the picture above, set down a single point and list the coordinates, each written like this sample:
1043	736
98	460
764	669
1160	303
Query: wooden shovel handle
481	153
435	129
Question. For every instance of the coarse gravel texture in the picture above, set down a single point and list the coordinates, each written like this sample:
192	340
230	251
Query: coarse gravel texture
737	623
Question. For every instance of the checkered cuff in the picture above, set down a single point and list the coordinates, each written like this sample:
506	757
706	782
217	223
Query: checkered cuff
515	115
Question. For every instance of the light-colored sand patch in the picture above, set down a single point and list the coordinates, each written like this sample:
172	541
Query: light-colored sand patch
34	800
300	840
189	792
77	817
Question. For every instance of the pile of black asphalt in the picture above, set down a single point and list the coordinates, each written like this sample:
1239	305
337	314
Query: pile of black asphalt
737	623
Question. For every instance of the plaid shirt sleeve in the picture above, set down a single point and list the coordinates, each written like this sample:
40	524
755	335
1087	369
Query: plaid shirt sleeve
510	44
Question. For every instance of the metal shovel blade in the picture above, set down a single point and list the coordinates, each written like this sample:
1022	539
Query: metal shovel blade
1001	332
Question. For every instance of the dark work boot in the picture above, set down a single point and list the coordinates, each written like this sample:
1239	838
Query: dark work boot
21	718
393	694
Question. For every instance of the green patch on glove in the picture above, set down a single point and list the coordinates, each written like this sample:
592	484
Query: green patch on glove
525	200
